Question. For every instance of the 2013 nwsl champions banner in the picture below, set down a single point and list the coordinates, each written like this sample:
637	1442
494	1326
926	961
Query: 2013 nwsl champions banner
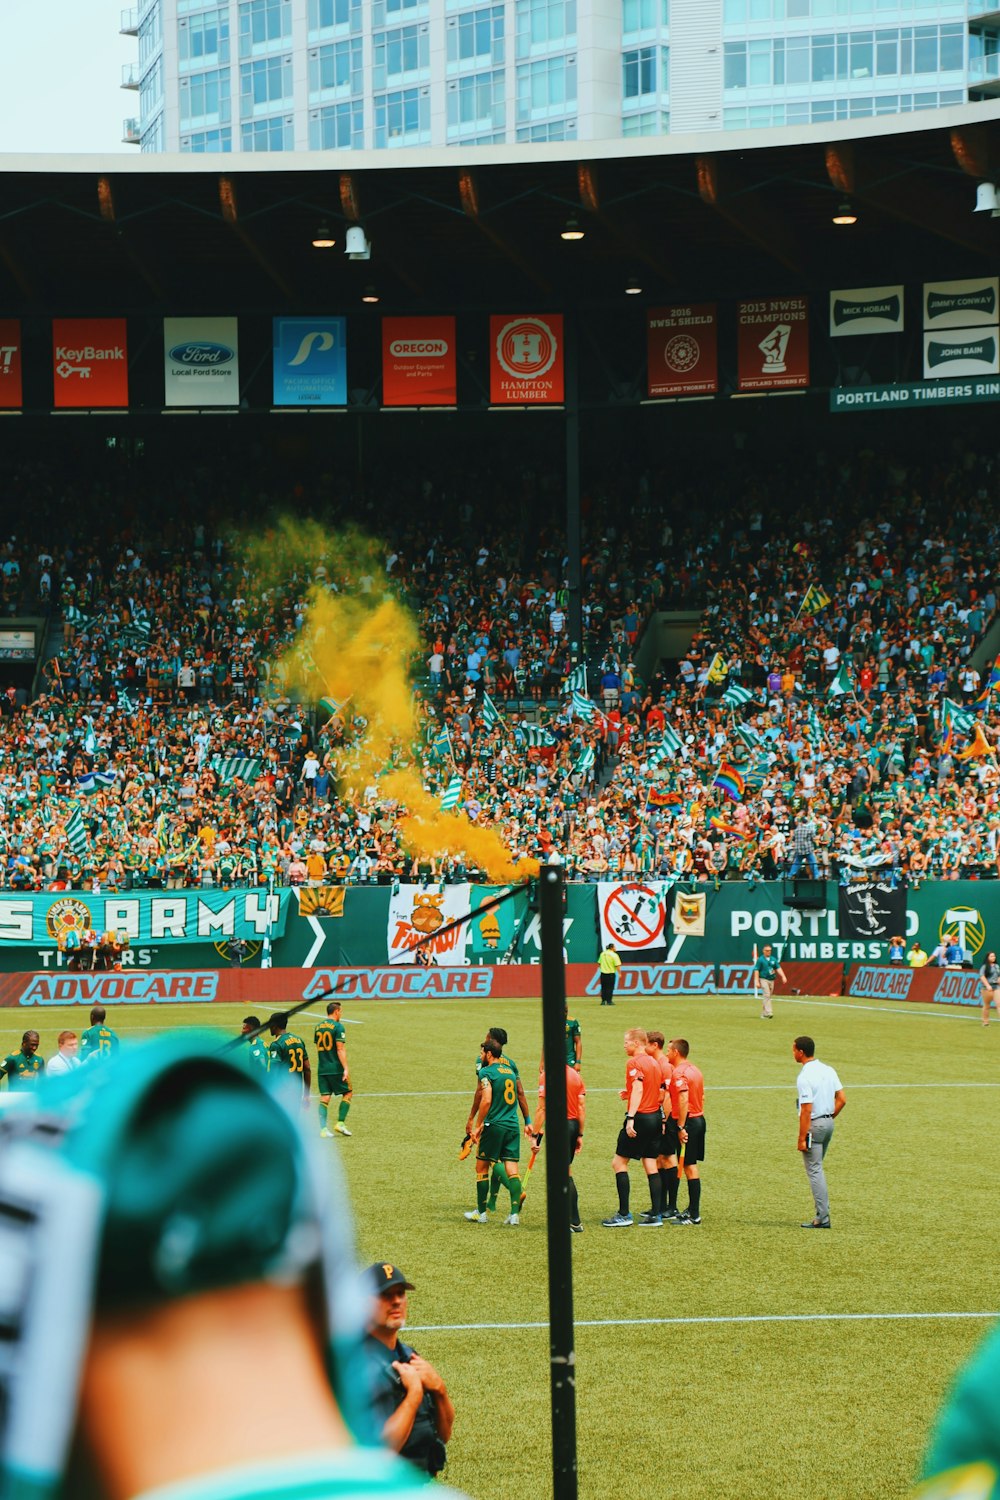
682	350
773	344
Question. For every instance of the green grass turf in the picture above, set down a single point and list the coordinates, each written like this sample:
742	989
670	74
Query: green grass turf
766	1409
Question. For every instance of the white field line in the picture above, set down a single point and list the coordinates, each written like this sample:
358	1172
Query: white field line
874	1317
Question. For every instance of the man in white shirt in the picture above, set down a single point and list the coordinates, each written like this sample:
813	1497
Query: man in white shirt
821	1098
65	1060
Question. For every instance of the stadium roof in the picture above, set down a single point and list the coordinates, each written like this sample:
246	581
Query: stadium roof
692	218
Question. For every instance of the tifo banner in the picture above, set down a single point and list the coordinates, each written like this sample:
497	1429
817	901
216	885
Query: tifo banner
966	351
773	344
89	362
872	909
682	350
962	304
11	391
310	361
634	916
418	362
526	360
45	921
867	309
417	912
201	362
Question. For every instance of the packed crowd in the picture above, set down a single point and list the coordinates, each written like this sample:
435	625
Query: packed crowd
164	750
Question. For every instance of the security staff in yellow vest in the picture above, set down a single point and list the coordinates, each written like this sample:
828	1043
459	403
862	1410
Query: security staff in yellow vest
609	963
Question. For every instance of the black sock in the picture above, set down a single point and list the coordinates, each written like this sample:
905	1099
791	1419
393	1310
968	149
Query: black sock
670	1173
574	1203
655	1193
664	1187
621	1182
694	1197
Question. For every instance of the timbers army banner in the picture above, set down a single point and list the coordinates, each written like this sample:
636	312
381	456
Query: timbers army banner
773	344
163	917
682	350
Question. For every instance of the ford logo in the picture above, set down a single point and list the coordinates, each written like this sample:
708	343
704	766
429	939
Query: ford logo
201	354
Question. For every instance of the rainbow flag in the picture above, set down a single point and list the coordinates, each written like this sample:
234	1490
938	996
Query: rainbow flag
721	826
729	782
659	798
993	681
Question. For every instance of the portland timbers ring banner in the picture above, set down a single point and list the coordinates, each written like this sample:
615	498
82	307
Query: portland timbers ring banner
89	362
418	362
682	350
201	362
11	395
526	360
773	344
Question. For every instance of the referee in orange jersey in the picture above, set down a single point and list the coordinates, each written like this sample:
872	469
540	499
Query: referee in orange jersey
641	1135
687	1111
576	1118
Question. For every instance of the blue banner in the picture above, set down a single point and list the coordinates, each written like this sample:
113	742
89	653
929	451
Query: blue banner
144	917
310	361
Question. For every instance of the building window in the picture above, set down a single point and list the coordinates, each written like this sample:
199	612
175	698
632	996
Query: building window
646	122
542	24
337	127
476	36
324	15
645	15
734	65
267	81
402	117
400	54
263	24
387	11
336	66
276	134
476	102
639	72
546	86
204	39
208	140
153	136
550	130
150	36
205	98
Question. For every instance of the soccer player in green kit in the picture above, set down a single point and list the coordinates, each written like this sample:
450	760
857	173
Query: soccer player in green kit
497	1177
288	1052
495	1129
334	1076
574	1042
24	1068
98	1043
257	1053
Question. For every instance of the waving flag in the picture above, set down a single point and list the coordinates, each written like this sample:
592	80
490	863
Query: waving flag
96	781
729	782
721	826
840	684
76	832
980	746
717	668
750	736
993	681
490	713
536	736
668	747
229	767
735	696
954	720
814	599
583	707
585	762
452	794
576	682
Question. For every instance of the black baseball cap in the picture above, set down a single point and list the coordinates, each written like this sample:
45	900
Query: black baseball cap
386	1278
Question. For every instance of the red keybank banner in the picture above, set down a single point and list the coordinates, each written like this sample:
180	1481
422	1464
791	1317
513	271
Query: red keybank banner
682	350
418	362
526	360
773	344
10	364
89	362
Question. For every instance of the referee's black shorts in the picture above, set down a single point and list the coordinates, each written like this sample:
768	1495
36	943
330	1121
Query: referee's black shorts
695	1148
648	1138
574	1136
671	1144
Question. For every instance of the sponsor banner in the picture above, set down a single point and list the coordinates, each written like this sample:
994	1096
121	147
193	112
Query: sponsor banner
201	362
633	916
736	979
11	387
418	362
881	984
918	393
45	921
310	361
682	350
773	344
17	645
868	309
526	360
926	986
89	362
962	304
967	351
872	909
660	979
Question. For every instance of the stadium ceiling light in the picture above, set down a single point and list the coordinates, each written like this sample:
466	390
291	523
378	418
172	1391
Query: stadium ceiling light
357	245
572	230
986	199
323	238
369	294
845	215
632	287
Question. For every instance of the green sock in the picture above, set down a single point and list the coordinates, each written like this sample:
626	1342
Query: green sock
495	1181
514	1183
342	1111
322	1116
482	1188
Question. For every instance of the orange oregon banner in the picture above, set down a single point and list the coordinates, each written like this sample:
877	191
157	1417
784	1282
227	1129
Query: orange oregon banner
418	362
773	343
526	360
682	350
10	364
89	362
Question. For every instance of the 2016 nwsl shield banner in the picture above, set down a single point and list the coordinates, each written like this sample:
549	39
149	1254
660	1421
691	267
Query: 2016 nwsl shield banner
526	360
773	344
682	350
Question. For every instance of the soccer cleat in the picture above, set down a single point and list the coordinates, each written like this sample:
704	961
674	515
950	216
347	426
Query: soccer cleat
618	1221
327	1135
513	1220
341	1128
669	1214
465	1148
685	1218
817	1224
576	1229
475	1217
650	1221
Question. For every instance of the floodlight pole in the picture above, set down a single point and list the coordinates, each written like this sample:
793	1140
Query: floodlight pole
562	1353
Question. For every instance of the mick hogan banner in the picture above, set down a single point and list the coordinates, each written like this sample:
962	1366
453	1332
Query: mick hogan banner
45	921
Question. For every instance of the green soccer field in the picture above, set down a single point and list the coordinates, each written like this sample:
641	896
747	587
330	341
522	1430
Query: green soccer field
743	1356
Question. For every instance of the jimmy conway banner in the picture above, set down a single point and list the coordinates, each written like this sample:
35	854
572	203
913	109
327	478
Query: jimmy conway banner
10	364
773	344
201	362
418	362
310	361
89	362
44	921
962	304
682	350
867	309
526	360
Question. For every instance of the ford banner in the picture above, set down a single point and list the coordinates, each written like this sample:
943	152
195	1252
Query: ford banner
201	363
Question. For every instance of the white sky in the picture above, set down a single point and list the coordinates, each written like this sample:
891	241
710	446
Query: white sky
60	70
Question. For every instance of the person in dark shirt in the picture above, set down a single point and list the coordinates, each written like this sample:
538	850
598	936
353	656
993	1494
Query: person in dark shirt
408	1395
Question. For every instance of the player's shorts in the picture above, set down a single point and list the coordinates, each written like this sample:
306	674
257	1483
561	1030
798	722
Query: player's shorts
695	1148
499	1143
671	1140
574	1136
648	1139
333	1083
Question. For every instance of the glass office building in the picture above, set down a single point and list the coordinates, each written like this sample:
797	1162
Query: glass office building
301	75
